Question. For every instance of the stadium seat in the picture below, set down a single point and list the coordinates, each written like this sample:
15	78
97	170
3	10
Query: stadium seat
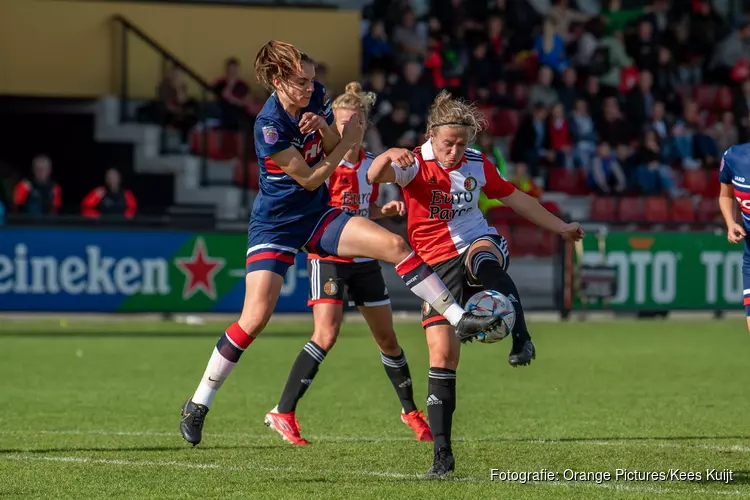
704	96
212	142
630	209
683	210
505	123
603	209
708	209
713	185
565	180
656	209
695	181
521	95
526	240
548	243
724	99
551	206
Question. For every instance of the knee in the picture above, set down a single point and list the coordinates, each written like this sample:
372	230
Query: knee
253	322
325	336
399	249
387	343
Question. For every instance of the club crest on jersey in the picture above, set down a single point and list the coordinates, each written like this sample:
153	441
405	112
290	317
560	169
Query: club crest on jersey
470	184
331	287
426	308
270	135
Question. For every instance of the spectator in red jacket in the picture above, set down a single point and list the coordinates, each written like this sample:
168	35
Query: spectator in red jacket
558	129
110	200
39	195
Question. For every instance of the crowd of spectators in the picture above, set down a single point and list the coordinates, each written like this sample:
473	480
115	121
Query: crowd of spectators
631	97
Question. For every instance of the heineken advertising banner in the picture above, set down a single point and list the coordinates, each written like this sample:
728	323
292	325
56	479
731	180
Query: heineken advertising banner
131	271
660	271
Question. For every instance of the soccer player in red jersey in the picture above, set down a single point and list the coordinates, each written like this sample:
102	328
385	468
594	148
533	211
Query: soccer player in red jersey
297	152
331	277
441	183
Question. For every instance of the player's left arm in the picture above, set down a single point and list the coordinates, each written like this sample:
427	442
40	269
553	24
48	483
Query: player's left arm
528	207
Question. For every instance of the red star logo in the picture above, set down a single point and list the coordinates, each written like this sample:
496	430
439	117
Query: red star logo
200	270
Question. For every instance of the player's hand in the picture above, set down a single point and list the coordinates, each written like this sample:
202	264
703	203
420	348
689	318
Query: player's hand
310	122
393	208
736	233
571	232
401	157
353	132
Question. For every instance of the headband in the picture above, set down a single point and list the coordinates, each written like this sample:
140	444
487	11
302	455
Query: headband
461	124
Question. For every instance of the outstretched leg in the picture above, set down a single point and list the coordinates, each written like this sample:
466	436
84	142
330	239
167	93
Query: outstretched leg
487	263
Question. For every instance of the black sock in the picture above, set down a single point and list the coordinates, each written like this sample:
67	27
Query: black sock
493	277
441	403
397	370
301	376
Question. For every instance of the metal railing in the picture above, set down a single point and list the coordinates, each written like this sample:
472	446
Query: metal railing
208	96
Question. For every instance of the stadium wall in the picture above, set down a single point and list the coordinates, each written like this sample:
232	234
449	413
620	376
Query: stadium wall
69	48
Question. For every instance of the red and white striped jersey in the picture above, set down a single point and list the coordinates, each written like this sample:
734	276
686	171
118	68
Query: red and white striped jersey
443	204
351	192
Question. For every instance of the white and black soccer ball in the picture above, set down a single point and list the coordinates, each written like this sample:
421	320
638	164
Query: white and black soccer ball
490	302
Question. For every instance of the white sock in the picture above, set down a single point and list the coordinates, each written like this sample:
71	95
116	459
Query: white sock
454	313
217	371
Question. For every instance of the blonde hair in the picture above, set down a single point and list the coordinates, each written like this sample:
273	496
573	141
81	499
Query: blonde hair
449	111
278	60
354	98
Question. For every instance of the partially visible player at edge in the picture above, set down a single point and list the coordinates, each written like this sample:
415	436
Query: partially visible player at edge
441	187
292	135
734	175
362	278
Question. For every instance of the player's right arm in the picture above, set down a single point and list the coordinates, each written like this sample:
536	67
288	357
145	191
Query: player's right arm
395	165
289	159
735	231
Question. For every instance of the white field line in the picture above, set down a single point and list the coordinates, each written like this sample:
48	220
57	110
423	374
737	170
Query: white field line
364	473
662	443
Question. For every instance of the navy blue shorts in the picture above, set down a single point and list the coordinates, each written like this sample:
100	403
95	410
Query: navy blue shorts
273	247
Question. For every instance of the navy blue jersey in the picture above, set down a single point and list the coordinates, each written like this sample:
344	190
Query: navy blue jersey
281	198
735	170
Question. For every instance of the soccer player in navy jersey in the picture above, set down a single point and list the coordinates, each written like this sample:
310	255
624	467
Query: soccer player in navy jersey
734	175
297	151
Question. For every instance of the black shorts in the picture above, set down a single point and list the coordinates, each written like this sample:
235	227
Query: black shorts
454	273
361	283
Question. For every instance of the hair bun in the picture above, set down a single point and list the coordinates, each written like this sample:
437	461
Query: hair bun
353	88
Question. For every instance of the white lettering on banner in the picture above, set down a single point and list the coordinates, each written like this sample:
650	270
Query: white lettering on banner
711	261
660	266
94	275
731	276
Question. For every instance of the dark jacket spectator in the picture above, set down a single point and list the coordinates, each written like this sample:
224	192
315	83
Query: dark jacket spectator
110	200
39	195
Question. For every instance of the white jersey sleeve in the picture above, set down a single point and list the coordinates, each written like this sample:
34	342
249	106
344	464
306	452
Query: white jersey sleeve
405	175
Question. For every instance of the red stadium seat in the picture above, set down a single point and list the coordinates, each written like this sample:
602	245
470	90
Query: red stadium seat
505	123
704	96
565	180
212	142
253	175
526	240
708	210
683	210
230	145
603	209
548	243
630	210
656	209
724	98
695	181
521	95
714	186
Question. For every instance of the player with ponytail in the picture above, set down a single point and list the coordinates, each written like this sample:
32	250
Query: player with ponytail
359	281
298	151
441	186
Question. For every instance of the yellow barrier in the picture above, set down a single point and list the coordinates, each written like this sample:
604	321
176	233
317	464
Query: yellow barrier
70	48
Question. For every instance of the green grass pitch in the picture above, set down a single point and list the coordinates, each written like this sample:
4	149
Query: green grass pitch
91	410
